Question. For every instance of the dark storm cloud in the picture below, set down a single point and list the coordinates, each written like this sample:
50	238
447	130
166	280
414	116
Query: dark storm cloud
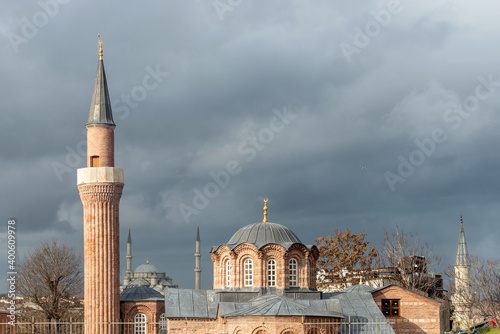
221	77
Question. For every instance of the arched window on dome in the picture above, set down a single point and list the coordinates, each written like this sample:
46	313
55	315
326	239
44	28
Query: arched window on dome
292	272
271	272
228	273
248	272
140	323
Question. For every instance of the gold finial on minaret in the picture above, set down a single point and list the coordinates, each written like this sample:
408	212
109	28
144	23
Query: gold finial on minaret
147	260
265	210
100	46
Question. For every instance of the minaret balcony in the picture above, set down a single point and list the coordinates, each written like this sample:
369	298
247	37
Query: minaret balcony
99	175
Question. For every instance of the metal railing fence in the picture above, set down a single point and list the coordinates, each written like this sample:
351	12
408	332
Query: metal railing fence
219	326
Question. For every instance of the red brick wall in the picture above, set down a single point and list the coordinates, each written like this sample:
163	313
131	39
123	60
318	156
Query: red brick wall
5	328
152	311
101	143
306	262
251	325
417	313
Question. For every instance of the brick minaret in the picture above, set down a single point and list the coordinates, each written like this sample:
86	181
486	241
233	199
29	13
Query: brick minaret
100	186
197	256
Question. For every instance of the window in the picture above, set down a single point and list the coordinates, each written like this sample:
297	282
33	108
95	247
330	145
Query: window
390	307
292	272
248	272
228	273
94	161
271	273
163	323
140	323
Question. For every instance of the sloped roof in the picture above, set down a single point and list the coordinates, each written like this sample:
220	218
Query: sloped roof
186	303
203	304
140	293
279	306
358	306
355	304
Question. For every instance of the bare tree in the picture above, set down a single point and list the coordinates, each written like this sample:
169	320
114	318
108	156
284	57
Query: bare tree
410	263
51	277
344	258
478	297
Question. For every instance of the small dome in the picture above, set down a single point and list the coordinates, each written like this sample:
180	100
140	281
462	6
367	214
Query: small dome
140	282
146	268
261	234
140	293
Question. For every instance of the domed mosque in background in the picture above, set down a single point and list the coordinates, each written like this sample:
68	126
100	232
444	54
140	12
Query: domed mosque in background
146	275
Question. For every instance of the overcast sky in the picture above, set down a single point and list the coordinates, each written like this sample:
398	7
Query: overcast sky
351	114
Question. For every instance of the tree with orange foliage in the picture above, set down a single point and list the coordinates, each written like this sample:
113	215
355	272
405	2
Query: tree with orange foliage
344	259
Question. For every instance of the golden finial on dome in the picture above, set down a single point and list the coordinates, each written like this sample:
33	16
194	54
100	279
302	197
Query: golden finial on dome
147	260
100	46
265	210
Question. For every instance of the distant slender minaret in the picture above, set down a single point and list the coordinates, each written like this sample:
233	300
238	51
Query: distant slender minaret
128	272
100	186
462	278
197	256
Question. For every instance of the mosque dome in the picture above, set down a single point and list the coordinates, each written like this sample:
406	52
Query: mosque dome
261	234
146	268
141	293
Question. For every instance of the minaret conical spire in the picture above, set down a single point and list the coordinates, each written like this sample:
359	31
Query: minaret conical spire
100	108
462	252
198	232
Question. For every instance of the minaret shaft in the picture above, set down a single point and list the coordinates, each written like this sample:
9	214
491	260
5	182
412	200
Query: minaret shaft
101	255
129	260
197	256
128	272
